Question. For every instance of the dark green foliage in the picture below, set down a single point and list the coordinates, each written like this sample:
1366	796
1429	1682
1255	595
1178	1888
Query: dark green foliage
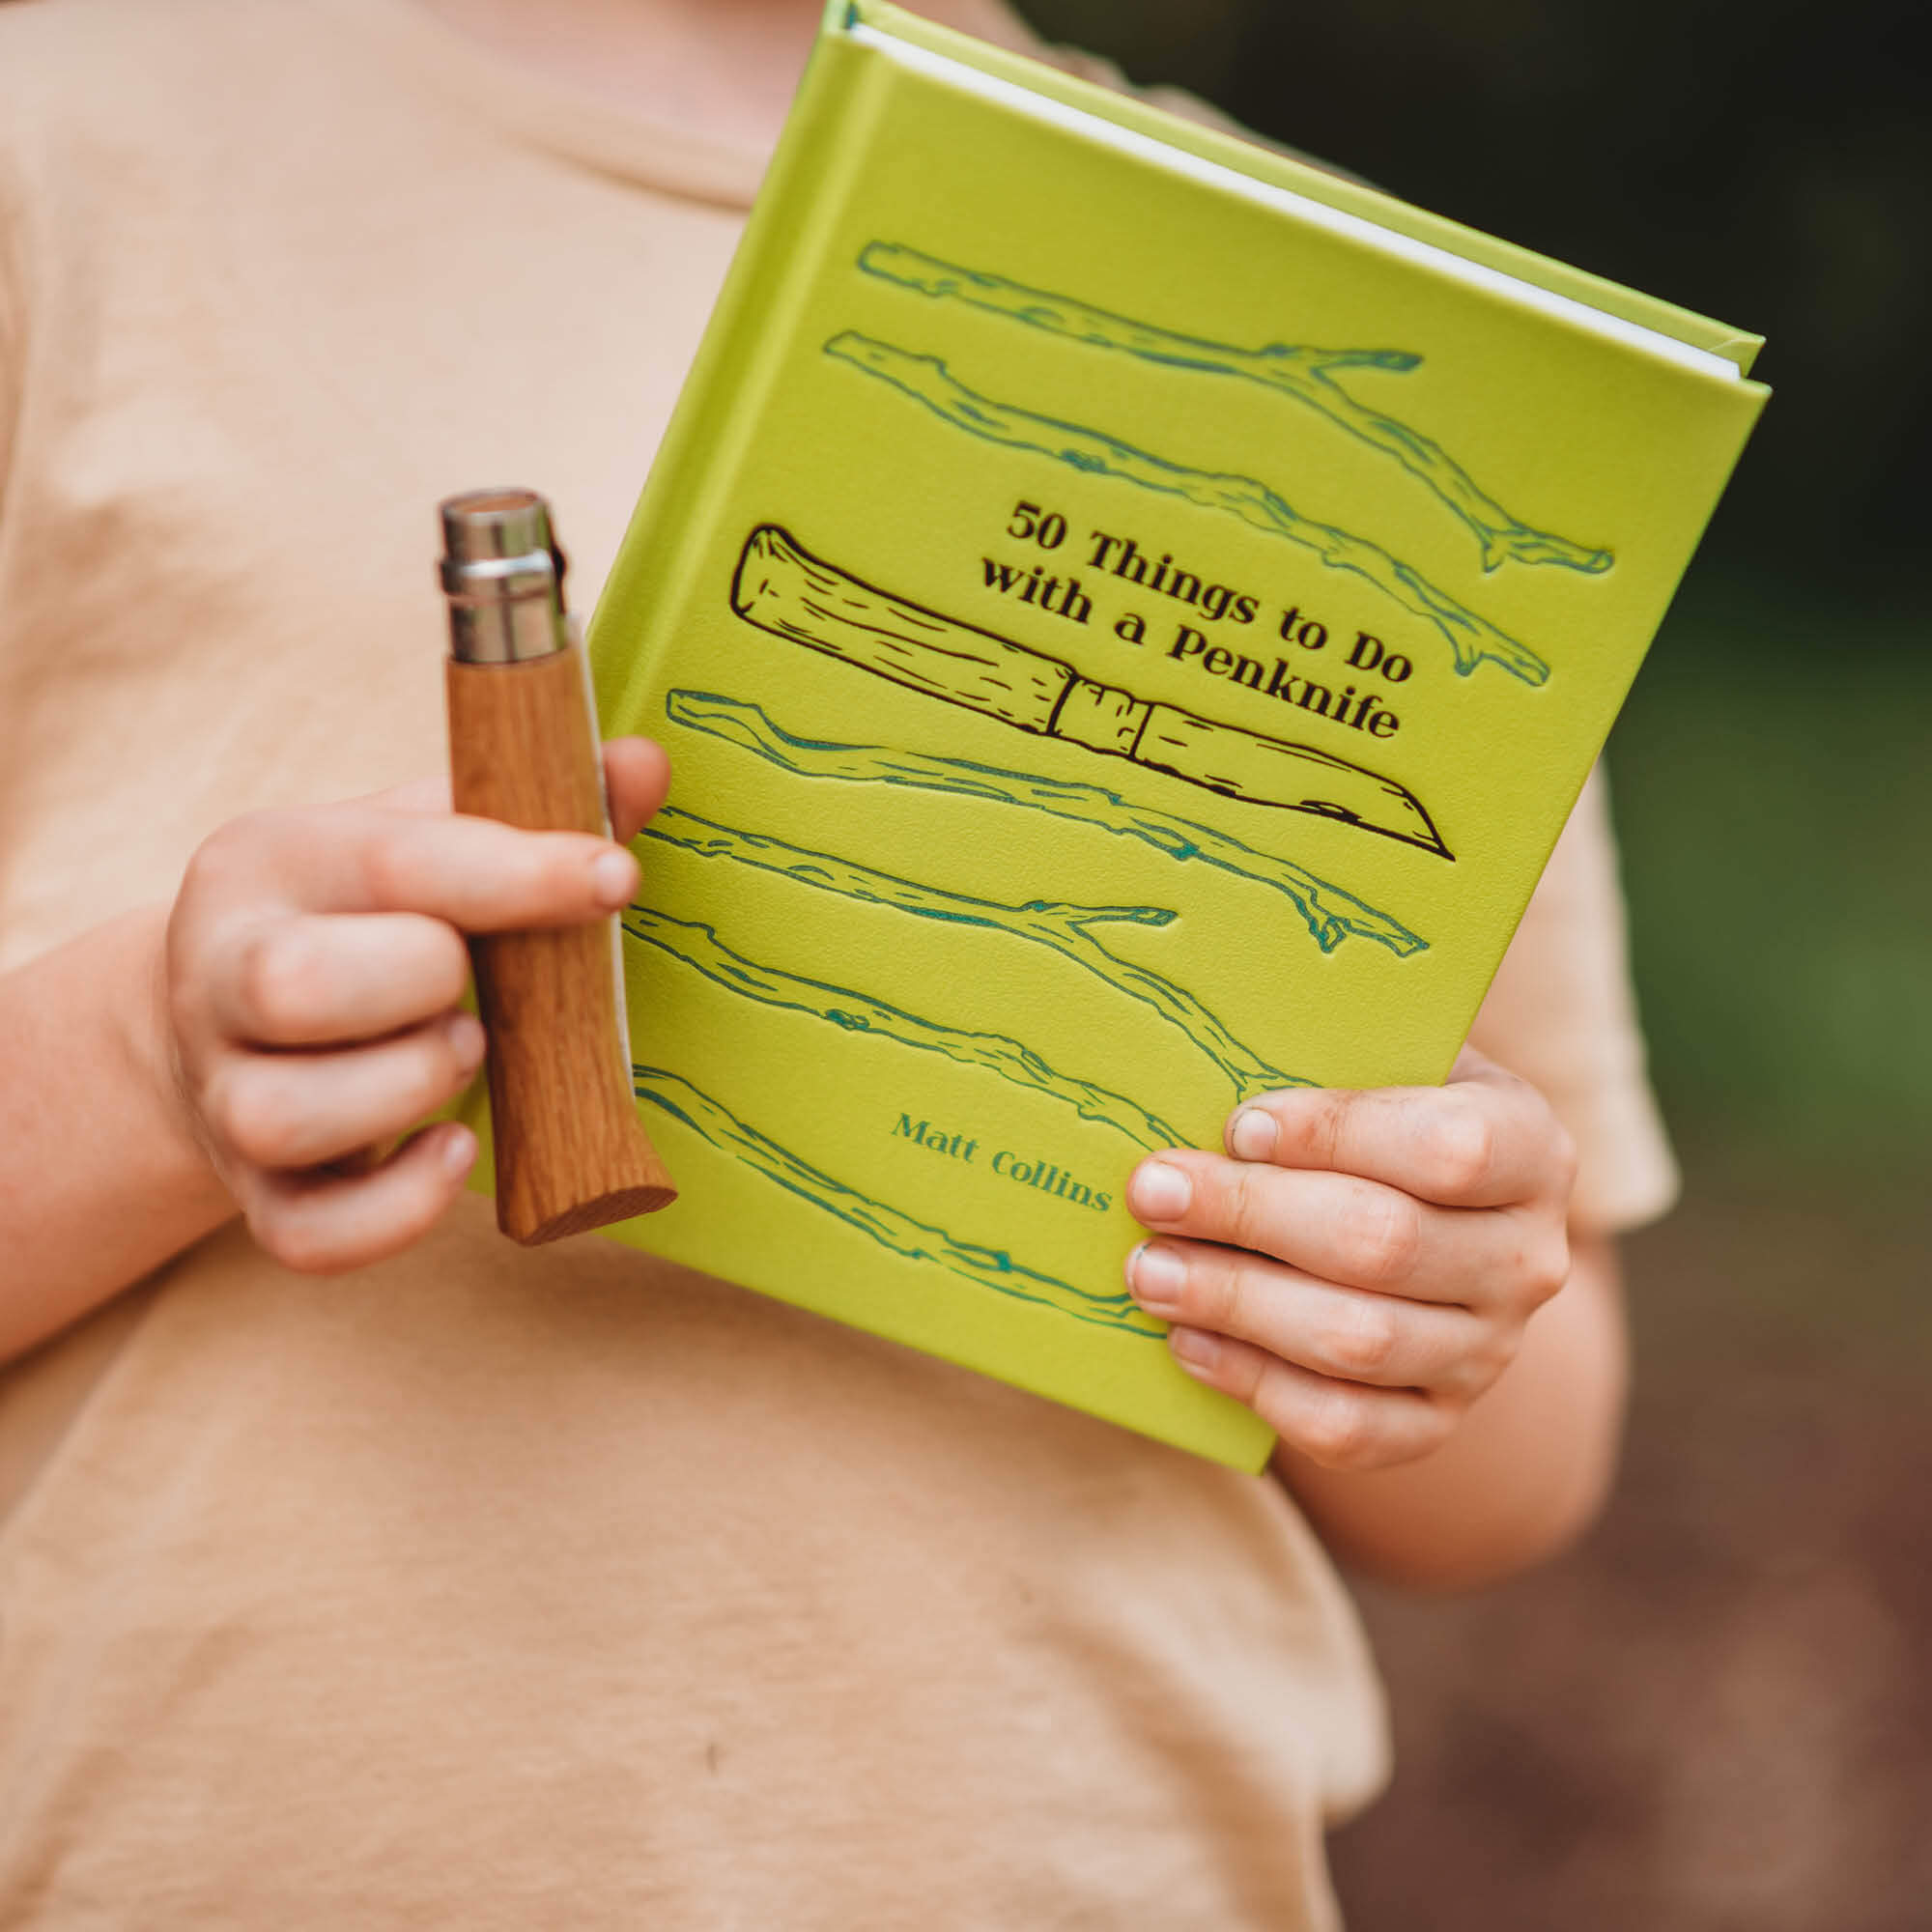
1769	164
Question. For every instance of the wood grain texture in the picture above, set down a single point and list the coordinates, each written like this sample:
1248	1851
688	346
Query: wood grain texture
571	1153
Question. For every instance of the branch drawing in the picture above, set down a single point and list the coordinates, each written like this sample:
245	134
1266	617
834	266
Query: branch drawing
1331	915
699	946
1062	928
1295	370
1472	637
917	1240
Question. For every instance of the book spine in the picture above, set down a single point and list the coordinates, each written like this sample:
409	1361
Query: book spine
697	465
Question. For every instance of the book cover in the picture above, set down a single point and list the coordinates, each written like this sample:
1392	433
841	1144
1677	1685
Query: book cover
1129	615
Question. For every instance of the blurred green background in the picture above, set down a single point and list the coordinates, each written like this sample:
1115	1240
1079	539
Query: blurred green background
1717	1713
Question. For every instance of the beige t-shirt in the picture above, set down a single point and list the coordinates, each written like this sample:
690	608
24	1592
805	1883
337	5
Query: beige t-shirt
486	1587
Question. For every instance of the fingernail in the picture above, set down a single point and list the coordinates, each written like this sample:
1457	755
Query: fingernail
1157	1276
466	1040
1161	1193
459	1150
1252	1134
1197	1351
614	876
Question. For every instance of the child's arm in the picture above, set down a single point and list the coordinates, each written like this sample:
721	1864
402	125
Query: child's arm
100	1176
243	1050
1361	1269
1525	1472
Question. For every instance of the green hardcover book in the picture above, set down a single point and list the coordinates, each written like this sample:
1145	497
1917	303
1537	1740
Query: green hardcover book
1129	615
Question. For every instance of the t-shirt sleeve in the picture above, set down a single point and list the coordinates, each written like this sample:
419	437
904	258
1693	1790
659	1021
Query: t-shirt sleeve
1561	1015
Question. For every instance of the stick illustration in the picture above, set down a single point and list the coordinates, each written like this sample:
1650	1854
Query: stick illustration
917	1240
1472	637
1295	370
699	946
783	588
1331	914
1064	929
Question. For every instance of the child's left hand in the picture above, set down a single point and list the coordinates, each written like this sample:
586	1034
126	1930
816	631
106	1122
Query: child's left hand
1362	1269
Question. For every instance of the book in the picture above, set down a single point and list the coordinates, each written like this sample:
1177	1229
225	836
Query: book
1130	615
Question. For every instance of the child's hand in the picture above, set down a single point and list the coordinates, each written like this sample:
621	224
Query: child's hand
1363	1267
314	966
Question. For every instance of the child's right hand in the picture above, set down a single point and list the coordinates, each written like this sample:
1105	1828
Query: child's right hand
314	969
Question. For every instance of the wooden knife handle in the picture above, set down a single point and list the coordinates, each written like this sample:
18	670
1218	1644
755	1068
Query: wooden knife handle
571	1153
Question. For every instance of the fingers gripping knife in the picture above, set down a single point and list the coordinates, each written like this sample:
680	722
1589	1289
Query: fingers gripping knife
571	1153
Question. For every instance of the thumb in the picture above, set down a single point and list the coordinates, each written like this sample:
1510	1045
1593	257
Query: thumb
637	775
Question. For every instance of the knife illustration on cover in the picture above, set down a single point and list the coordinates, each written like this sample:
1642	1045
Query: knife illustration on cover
783	590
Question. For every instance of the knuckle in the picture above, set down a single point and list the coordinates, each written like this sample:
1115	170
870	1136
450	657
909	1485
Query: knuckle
1505	1341
1438	1423
259	1116
1246	1206
1384	1239
300	1241
383	863
1564	1156
206	867
1309	1123
1213	1293
228	848
1479	1367
1363	1341
1546	1266
1338	1430
1244	1375
215	879
1228	1296
1462	1155
278	977
1328	1126
1273	1397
